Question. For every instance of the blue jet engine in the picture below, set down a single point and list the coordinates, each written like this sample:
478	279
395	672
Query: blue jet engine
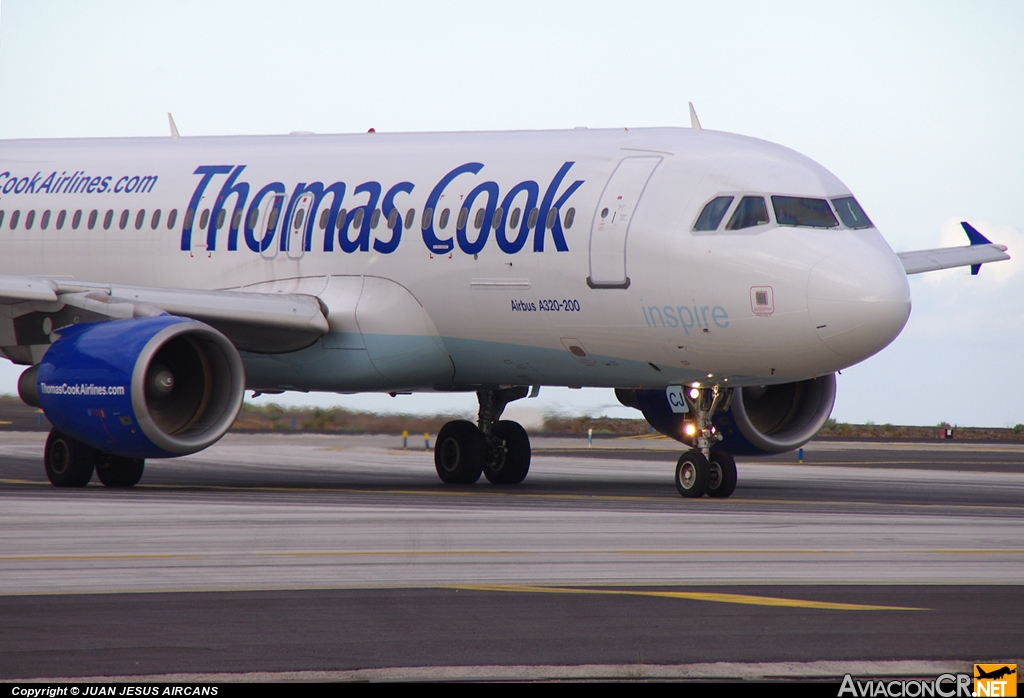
759	420
154	387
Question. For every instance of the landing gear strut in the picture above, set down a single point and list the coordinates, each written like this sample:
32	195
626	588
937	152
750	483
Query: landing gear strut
498	449
699	471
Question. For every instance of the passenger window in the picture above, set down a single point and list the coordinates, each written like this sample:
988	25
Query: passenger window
570	216
61	217
496	221
45	220
850	213
300	215
409	218
713	213
428	213
532	222
463	217
323	218
204	218
393	218
751	211
342	218
171	218
514	220
140	219
803	212
478	219
189	217
108	218
76	220
443	223
220	218
124	219
375	218
93	215
30	218
1	218
236	219
155	222
14	219
357	218
275	213
552	217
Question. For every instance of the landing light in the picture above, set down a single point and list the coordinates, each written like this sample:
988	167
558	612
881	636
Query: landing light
689	429
694	393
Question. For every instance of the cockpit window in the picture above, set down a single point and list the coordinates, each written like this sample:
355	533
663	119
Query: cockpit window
749	212
713	213
803	212
850	213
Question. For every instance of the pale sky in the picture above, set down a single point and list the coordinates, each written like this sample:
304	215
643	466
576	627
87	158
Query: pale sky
917	107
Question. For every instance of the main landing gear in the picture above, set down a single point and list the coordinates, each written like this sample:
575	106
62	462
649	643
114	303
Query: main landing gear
70	463
498	449
699	471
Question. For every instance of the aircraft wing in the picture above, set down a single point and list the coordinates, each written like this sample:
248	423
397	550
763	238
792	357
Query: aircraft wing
260	322
980	251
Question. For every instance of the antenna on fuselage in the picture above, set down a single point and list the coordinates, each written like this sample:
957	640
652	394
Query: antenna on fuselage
694	121
175	135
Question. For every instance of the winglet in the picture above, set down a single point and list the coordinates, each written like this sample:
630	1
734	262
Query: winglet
174	129
694	121
976	238
973	235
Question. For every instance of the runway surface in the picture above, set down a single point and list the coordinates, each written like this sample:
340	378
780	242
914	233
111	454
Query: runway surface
333	554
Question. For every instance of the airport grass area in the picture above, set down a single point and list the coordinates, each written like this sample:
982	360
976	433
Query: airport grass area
17	416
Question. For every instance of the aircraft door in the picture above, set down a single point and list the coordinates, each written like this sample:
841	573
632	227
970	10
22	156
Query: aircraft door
297	226
611	224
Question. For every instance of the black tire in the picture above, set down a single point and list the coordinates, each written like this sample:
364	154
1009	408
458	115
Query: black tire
459	453
118	471
510	466
723	475
692	474
68	461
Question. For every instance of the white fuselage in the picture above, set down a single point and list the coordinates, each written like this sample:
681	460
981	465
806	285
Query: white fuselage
632	298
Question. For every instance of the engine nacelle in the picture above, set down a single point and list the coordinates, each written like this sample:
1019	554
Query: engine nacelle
759	421
153	387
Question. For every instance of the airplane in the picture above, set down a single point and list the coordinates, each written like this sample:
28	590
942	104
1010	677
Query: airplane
717	282
994	674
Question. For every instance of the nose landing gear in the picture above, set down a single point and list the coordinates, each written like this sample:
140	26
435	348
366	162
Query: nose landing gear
498	449
699	471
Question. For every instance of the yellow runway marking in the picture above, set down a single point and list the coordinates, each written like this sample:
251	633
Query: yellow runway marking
746	599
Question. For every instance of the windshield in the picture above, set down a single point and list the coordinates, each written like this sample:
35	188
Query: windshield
851	213
751	211
803	212
713	213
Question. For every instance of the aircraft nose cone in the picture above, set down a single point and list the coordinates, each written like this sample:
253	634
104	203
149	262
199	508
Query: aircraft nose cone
858	301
